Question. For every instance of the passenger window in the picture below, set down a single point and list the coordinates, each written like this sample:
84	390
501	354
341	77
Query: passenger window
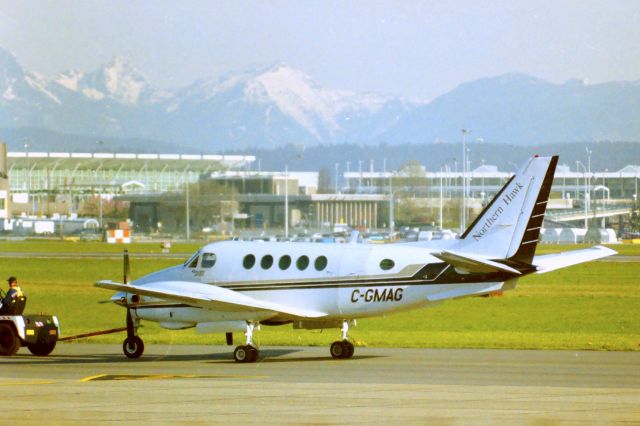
387	264
302	262
208	260
249	261
266	261
320	263
285	262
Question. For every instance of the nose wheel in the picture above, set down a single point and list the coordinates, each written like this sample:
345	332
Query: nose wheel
132	345
247	352
342	349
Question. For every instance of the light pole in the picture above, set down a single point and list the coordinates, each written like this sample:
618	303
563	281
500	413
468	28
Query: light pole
286	201
589	173
336	178
347	175
186	202
463	216
441	195
391	207
98	149
26	148
100	195
586	196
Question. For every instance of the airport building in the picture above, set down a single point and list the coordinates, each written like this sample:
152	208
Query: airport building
223	194
487	179
47	183
229	200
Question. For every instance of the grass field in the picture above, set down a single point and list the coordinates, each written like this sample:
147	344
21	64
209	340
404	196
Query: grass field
57	246
591	306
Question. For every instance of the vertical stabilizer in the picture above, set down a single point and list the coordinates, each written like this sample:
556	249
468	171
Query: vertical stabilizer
509	226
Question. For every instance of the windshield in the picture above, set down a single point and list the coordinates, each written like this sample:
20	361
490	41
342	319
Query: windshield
193	260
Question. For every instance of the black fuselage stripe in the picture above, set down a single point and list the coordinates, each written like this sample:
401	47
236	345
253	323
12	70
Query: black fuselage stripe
171	305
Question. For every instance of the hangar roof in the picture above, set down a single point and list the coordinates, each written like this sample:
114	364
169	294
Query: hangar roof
106	160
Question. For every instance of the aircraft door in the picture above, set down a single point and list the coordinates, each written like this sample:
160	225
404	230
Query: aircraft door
352	268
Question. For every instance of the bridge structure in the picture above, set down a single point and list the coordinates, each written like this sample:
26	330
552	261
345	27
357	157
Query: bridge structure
575	215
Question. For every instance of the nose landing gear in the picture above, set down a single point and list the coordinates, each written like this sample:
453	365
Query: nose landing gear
133	347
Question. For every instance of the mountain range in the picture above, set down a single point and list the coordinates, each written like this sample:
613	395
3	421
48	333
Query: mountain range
278	105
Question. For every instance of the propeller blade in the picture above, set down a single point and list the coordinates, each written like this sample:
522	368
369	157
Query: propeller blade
127	267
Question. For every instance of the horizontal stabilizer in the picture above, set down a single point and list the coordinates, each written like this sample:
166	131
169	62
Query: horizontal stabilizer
208	297
473	263
551	262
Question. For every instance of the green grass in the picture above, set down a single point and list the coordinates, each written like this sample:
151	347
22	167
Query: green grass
590	306
52	246
57	246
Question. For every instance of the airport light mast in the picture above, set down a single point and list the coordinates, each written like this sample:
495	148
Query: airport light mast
463	215
586	195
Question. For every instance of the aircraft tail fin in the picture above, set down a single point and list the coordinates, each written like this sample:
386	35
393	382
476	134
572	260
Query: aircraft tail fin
509	226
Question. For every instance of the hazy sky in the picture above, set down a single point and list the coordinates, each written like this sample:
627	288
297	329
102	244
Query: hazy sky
417	49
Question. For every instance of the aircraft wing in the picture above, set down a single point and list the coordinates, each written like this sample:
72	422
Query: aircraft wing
551	262
207	296
473	262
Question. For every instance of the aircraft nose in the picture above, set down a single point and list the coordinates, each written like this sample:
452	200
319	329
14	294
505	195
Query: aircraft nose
119	298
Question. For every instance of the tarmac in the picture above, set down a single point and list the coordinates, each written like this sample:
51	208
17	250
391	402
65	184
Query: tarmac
92	384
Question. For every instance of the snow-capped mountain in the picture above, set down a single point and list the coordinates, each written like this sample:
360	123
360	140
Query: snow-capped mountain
117	81
274	106
279	105
262	107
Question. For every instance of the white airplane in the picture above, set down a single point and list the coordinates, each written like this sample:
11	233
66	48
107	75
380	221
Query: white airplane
237	286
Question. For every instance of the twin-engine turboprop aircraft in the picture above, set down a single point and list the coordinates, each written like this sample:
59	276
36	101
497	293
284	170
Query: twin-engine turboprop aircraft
232	285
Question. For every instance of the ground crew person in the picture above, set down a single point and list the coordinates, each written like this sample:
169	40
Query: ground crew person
12	297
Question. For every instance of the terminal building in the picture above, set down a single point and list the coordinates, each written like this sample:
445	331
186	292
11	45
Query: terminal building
47	183
225	194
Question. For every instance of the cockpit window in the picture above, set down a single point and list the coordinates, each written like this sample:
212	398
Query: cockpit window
192	262
208	260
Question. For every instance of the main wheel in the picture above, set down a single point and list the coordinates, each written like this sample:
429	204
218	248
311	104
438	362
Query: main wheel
253	354
41	349
133	347
9	341
337	350
242	354
348	349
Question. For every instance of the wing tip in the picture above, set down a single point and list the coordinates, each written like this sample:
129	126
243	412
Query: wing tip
605	249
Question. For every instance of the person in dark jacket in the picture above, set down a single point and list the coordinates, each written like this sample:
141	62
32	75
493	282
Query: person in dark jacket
13	296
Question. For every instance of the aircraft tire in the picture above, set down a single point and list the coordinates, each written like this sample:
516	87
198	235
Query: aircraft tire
242	353
41	349
9	341
253	354
133	347
337	350
349	349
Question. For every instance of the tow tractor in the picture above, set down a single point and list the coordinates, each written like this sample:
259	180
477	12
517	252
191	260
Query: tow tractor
39	333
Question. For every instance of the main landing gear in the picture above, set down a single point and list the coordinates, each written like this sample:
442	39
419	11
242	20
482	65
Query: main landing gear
342	349
247	352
